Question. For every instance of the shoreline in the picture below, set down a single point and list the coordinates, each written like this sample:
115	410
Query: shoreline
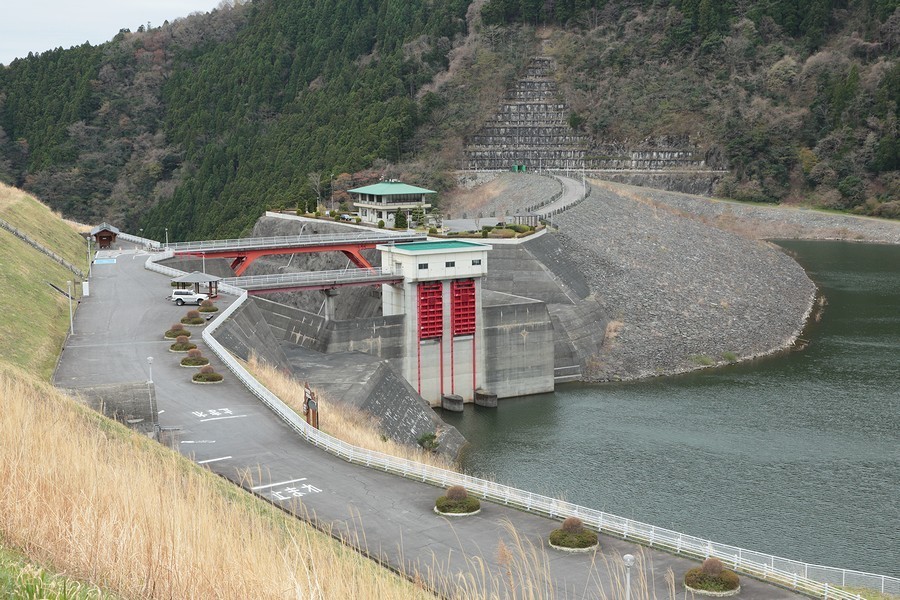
809	225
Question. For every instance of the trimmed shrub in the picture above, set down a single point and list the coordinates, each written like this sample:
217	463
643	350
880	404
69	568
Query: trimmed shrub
722	581
457	492
193	318
177	329
207	306
572	534
380	224
461	506
182	344
194	358
573	525
712	566
432	231
207	375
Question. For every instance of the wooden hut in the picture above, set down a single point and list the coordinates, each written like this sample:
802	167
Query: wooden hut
104	235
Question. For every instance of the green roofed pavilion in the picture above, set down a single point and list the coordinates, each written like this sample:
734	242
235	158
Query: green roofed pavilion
390	188
381	201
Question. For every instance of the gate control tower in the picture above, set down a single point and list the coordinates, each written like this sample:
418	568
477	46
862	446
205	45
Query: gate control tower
441	298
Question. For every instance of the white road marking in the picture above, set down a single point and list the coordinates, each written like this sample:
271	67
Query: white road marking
219	418
203	462
159	412
261	487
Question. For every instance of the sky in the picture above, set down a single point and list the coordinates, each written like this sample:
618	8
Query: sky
41	25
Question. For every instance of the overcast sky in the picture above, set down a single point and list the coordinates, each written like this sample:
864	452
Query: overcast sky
40	25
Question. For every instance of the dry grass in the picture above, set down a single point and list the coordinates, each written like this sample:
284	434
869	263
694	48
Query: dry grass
104	505
341	421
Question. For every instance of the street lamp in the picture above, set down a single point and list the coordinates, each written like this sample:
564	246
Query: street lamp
167	238
71	319
150	365
332	193
628	559
203	254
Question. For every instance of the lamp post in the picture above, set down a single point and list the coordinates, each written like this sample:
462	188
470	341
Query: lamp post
203	254
628	559
71	320
332	193
150	366
167	238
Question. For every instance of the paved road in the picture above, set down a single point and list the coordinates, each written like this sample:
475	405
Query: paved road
228	430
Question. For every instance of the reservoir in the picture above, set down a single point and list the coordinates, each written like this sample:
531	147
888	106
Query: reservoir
796	454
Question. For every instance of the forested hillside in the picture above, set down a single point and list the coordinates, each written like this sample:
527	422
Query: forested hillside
200	124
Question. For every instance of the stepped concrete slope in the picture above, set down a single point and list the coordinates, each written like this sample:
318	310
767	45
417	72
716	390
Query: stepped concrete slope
226	428
531	127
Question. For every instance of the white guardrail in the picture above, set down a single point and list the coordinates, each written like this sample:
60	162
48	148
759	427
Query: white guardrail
310	277
814	580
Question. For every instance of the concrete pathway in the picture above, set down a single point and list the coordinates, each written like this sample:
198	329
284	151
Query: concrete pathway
225	428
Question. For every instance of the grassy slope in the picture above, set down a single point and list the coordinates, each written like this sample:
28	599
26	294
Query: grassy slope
71	477
35	316
41	224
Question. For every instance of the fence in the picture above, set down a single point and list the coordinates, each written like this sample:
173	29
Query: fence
312	278
295	240
816	580
40	248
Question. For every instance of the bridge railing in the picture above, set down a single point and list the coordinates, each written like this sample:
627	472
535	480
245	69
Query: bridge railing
340	275
294	240
816	580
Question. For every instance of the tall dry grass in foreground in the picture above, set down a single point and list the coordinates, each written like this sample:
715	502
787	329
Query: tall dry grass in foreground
340	420
104	505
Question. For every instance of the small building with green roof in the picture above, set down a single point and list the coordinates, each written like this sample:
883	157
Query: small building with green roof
380	201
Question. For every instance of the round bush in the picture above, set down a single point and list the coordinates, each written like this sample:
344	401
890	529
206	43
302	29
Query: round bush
457	492
185	346
193	321
176	327
195	353
207	306
469	504
725	581
565	539
174	333
207	369
573	525
193	314
207	377
194	361
712	566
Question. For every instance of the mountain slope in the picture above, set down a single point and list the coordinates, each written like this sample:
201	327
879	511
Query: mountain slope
201	123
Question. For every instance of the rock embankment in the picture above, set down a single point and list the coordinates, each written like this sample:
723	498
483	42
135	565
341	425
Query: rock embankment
764	221
680	294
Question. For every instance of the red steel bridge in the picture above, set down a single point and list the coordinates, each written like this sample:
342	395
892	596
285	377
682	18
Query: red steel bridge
245	250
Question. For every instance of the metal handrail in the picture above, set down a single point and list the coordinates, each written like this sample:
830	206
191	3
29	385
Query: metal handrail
288	241
337	276
816	580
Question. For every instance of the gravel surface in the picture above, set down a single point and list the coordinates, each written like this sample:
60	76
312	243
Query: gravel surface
681	294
